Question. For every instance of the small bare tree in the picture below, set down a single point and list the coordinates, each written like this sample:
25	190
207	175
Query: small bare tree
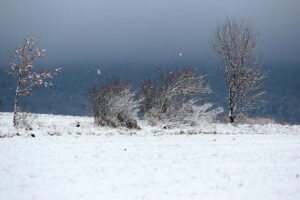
166	97
235	43
22	68
114	104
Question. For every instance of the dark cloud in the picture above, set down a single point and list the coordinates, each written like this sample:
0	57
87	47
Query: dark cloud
129	30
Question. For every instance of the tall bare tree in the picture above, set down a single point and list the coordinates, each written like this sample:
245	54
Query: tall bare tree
22	68
235	43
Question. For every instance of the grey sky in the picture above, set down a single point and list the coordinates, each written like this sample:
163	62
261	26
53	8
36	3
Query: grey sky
138	30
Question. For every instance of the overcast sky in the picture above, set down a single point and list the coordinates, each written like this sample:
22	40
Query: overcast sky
138	30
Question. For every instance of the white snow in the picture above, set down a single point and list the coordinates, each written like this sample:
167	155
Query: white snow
87	162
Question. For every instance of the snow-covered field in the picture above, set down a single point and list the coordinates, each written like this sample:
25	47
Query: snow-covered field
63	161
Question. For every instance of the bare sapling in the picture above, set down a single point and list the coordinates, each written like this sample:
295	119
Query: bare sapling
21	67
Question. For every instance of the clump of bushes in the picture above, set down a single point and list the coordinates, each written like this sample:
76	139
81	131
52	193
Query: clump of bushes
114	105
173	96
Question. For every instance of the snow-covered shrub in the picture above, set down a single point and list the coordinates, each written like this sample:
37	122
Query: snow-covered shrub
170	98
256	120
25	120
114	105
206	112
191	112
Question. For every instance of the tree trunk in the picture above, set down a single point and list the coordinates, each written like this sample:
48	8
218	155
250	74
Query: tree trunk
231	99
231	119
16	106
165	106
231	114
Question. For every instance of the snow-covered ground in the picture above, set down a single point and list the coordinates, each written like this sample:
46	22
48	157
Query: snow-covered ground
87	162
67	125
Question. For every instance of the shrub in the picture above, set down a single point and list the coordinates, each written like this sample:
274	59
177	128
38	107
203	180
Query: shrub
173	95
114	105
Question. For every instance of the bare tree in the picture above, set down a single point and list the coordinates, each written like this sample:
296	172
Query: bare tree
166	97
235	43
114	104
22	68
